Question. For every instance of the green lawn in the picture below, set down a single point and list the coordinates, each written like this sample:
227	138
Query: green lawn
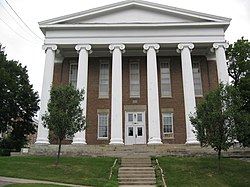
33	185
202	172
92	171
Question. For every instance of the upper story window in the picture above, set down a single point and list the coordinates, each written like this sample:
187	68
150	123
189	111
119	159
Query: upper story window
165	78
73	74
197	79
104	80
134	79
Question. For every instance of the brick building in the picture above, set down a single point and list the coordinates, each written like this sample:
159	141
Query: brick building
143	66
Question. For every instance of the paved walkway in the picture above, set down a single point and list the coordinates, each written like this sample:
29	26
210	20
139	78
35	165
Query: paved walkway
8	180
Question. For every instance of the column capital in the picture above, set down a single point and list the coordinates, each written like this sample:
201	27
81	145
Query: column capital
87	47
217	45
155	46
52	47
181	46
121	47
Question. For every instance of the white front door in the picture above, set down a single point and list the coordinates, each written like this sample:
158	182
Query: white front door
135	128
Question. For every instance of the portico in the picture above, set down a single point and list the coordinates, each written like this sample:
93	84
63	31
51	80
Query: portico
123	68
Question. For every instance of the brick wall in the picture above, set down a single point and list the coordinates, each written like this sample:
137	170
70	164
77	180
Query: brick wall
176	102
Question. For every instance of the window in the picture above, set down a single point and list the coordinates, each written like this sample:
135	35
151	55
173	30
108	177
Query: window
73	74
134	79
102	125
197	79
167	122
165	79
104	80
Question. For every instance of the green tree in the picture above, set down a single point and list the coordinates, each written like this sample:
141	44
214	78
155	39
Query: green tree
238	55
65	115
18	103
214	119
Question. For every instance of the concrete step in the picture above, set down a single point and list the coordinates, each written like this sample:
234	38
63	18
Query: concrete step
149	185
136	164
136	175
137	183
139	169
137	172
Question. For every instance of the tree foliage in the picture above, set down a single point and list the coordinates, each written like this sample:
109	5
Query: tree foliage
238	55
18	102
65	115
215	116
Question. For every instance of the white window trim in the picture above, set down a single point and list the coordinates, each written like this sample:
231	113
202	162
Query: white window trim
168	135
70	69
98	113
168	62
103	96
134	62
199	64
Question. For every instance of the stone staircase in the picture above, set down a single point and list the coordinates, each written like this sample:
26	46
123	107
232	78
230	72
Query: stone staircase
136	171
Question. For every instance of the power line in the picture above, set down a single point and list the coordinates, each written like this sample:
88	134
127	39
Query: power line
15	20
23	21
16	32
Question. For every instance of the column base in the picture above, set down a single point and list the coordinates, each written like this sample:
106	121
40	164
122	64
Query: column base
79	141
116	142
192	142
44	141
154	141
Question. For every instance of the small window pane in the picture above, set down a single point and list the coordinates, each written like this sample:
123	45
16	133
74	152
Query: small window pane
139	117
130	117
130	131
139	131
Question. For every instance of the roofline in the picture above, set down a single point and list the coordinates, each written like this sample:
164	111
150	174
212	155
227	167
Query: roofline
133	25
135	2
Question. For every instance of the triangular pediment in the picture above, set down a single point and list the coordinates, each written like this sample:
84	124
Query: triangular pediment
135	11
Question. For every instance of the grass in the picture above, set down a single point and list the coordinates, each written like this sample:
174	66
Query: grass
202	172
33	185
93	171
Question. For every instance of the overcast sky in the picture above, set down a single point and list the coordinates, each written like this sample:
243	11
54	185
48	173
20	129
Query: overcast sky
27	48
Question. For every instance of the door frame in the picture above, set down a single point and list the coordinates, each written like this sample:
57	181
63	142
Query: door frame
135	126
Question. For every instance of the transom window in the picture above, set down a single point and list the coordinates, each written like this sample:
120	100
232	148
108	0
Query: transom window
197	79
165	78
73	74
103	125
104	80
134	79
167	121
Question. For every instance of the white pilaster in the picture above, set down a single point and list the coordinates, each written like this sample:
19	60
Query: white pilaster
42	132
153	96
188	89
221	62
82	83
116	98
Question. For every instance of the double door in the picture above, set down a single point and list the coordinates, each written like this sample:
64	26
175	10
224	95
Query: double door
135	128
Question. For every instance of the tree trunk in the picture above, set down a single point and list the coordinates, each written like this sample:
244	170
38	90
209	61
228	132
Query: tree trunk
219	157
59	151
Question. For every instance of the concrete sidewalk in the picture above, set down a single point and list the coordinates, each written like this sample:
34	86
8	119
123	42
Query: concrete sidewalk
26	181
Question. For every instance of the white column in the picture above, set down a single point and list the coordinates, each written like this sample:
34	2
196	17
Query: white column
42	132
221	62
154	136
82	83
116	98
188	89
